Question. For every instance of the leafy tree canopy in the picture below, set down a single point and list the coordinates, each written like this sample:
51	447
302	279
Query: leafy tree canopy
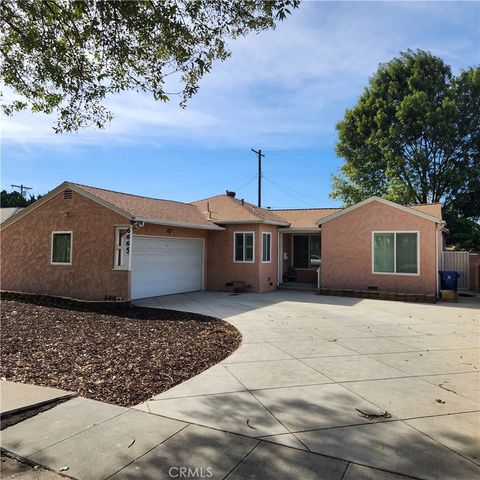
16	199
66	56
414	137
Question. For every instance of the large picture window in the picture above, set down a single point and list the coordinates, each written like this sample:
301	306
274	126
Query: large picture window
396	252
266	247
244	247
61	248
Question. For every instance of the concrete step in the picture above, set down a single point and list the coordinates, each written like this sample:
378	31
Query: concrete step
297	286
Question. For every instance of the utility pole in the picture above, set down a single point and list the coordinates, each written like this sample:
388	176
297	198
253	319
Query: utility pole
260	155
23	189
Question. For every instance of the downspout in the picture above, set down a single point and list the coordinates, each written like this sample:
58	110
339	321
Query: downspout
437	291
279	257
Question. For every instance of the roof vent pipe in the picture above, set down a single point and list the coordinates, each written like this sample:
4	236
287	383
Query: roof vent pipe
243	201
230	194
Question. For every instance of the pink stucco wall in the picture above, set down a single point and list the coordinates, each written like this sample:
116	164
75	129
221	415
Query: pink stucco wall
26	251
221	269
347	250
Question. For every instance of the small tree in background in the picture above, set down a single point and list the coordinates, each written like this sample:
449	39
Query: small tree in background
414	137
16	199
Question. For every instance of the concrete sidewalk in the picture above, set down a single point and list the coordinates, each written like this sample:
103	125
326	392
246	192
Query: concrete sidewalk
17	397
284	404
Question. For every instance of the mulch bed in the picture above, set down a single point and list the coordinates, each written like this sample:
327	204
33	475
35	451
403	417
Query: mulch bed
122	357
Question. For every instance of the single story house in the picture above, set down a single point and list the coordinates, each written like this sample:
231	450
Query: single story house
89	243
7	212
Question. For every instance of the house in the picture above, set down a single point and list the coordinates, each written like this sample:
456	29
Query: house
89	243
7	212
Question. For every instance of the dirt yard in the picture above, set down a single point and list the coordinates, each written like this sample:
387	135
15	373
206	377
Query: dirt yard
121	357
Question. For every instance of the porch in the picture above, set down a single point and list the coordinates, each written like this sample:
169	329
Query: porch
299	259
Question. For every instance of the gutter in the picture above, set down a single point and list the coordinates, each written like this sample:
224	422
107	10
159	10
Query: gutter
250	222
197	226
301	230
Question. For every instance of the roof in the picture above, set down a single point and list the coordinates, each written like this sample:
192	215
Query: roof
147	208
7	212
433	209
207	213
133	207
224	209
431	212
305	218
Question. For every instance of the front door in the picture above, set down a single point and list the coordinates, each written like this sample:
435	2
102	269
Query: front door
306	256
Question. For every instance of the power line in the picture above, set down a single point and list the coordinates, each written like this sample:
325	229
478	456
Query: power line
288	192
304	194
246	183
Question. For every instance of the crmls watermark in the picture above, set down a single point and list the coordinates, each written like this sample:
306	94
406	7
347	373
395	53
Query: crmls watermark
189	472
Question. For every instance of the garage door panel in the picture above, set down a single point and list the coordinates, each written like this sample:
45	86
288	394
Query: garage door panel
163	266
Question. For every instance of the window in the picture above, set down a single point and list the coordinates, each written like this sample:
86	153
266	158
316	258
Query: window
306	251
122	248
244	246
266	247
62	248
395	252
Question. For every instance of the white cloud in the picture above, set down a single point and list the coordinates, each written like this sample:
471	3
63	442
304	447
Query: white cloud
282	88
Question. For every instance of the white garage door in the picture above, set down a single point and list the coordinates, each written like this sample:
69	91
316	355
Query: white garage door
162	266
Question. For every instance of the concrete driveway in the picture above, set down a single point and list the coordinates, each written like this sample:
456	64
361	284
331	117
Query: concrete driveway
309	365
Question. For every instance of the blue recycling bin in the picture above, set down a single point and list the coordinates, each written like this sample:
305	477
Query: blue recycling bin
449	280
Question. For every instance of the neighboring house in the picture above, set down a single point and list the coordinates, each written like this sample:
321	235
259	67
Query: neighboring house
90	243
7	212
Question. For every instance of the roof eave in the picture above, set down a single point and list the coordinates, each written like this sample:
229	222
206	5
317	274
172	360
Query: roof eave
256	221
301	229
410	210
173	223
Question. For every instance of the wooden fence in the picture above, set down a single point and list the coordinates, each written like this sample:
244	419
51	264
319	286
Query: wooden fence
460	262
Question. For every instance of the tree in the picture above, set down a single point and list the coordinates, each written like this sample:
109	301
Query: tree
67	56
414	137
16	199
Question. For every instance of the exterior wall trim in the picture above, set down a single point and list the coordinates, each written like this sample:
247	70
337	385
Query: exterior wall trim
53	193
173	223
251	222
385	202
300	230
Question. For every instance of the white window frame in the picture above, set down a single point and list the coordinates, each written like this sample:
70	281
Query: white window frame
234	245
71	247
269	234
395	253
117	247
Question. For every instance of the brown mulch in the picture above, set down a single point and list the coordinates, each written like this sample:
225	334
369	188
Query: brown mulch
122	357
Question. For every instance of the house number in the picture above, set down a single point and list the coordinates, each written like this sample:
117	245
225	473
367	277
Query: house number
127	244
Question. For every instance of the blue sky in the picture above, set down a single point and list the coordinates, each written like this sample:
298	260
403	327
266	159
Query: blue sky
282	91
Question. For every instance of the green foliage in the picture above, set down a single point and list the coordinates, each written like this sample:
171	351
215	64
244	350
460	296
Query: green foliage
16	199
463	233
414	137
66	56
